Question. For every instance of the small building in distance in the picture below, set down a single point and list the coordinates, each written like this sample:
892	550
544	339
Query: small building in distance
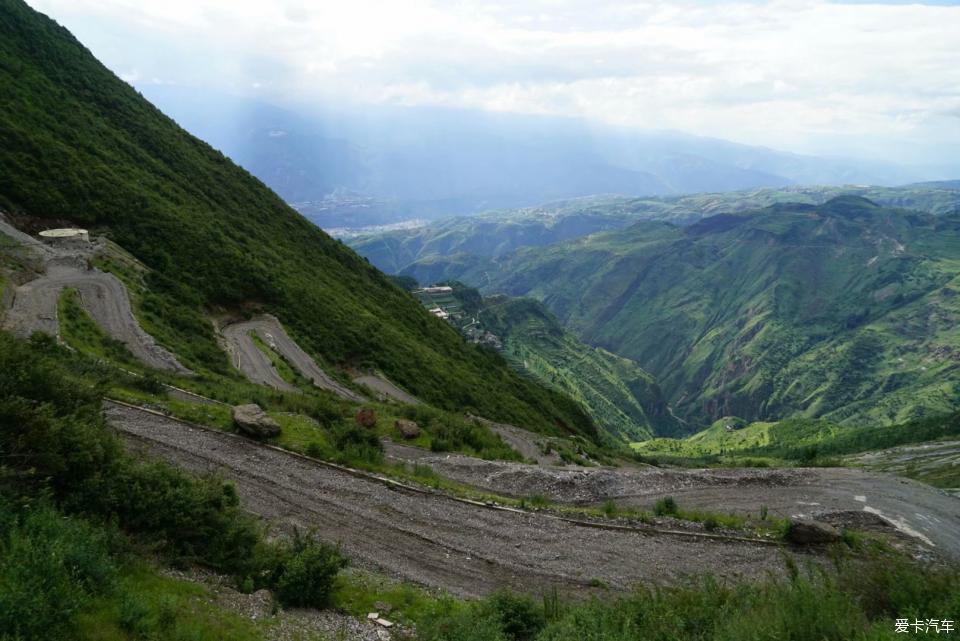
68	237
442	289
439	313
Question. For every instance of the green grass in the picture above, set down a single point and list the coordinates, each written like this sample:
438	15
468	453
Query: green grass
284	369
78	330
149	605
855	601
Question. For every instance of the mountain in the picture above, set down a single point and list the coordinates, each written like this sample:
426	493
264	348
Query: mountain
461	247
79	146
378	165
492	234
846	310
624	400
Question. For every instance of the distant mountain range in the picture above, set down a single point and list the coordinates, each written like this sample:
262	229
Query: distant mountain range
839	308
373	166
466	247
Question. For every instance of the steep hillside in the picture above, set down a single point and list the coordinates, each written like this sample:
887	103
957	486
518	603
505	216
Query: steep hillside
846	310
78	145
624	401
464	248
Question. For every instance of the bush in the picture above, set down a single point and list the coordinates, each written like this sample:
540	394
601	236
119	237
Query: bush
356	445
306	576
666	507
50	567
519	617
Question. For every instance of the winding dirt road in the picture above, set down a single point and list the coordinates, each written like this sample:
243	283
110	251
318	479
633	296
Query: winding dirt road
385	389
256	366
432	539
915	509
102	295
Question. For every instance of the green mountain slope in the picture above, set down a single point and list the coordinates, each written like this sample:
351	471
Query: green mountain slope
78	145
847	310
465	248
493	234
624	401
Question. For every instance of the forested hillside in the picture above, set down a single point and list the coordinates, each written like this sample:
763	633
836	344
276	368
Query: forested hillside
464	248
78	145
846	310
624	400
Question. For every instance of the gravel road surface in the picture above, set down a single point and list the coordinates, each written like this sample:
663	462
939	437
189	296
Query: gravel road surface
256	366
104	297
918	510
432	539
385	389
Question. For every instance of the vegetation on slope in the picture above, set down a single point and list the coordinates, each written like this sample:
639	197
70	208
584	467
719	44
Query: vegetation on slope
77	144
624	400
465	248
845	311
803	441
74	508
857	601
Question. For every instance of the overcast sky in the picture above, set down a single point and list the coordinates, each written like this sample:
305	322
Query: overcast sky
855	78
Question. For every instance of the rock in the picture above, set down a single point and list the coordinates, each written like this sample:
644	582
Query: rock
407	429
366	417
807	532
253	421
260	604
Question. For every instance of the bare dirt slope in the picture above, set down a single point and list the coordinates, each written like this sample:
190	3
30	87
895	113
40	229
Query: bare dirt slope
257	367
916	509
432	539
102	295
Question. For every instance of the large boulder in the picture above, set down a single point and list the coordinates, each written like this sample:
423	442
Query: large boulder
807	532
366	417
253	421
407	429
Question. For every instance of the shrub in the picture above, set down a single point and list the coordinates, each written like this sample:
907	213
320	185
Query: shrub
50	566
519	617
356	445
306	576
666	507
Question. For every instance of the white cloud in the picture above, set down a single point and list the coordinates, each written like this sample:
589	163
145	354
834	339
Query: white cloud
804	75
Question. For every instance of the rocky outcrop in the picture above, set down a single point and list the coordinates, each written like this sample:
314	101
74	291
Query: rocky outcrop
806	532
253	421
407	429
366	417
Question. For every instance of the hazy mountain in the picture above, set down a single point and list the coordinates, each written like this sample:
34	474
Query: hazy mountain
430	162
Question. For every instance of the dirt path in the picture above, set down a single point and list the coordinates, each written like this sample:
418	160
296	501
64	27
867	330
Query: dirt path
256	366
102	295
431	539
918	510
385	389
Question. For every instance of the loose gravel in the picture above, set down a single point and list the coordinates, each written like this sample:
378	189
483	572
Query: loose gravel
432	539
